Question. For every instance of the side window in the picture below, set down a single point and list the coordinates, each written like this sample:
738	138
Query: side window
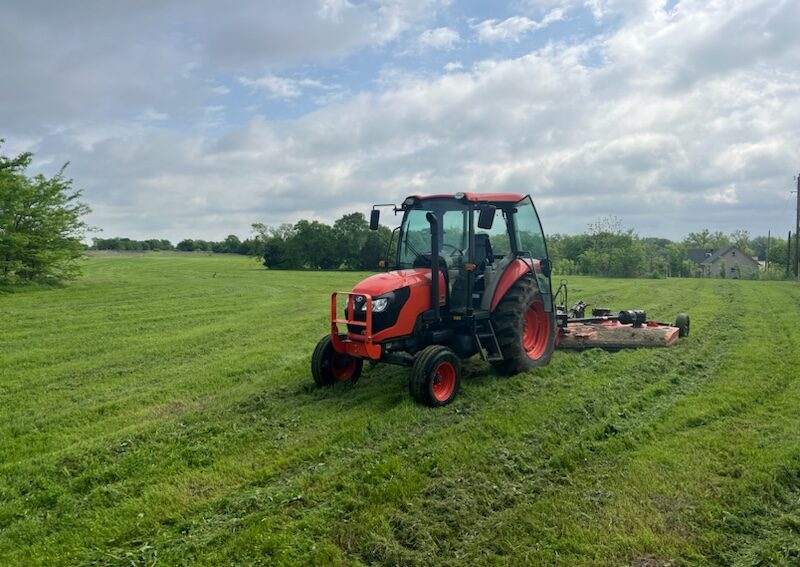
530	237
498	234
453	229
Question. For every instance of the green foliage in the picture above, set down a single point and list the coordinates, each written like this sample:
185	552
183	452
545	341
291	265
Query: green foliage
348	244
128	244
707	239
741	239
612	252
41	224
350	233
154	414
376	248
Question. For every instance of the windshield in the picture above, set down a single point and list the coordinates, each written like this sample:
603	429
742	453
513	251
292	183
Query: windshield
415	234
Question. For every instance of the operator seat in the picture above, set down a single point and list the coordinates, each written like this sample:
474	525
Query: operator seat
483	258
483	252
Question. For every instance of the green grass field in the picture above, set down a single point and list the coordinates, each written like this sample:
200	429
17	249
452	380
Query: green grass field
161	411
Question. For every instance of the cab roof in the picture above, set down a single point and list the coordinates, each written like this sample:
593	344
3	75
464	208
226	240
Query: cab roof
476	197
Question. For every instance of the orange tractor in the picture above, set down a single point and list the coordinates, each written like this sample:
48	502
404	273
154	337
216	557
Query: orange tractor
471	276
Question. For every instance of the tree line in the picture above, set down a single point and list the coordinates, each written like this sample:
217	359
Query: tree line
42	230
231	245
346	245
606	249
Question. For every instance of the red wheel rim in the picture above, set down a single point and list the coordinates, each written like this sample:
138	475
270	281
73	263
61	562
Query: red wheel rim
342	367
444	381
535	330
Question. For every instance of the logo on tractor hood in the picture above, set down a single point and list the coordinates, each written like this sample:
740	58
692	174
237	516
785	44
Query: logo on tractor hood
390	281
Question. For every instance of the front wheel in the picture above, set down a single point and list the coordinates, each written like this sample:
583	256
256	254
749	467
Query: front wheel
435	376
329	367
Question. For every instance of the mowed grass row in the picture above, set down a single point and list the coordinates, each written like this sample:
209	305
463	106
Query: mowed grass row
160	411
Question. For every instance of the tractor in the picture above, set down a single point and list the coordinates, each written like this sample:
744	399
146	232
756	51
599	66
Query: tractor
470	275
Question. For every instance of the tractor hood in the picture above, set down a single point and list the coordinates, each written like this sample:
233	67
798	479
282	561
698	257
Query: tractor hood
390	281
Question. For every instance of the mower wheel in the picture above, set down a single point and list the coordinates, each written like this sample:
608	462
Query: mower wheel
435	376
329	367
682	322
525	331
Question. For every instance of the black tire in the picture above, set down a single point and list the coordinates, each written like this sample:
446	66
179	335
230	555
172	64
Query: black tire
435	376
683	324
329	367
509	320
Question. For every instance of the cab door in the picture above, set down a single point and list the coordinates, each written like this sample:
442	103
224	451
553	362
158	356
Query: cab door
529	242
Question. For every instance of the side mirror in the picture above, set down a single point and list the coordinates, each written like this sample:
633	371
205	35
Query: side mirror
374	218
486	217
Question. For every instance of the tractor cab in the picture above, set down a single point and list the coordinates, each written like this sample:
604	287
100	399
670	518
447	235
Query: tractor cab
471	275
479	236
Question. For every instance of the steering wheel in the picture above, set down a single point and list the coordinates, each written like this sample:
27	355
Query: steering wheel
455	249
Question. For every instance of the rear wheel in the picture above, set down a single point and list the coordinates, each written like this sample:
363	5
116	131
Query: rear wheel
525	331
329	367
435	376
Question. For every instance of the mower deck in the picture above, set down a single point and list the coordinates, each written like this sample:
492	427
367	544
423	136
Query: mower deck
613	335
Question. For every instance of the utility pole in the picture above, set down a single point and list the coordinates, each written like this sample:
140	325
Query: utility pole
788	253
769	237
797	230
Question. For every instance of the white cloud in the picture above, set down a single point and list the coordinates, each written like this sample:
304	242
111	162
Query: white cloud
678	127
453	66
725	196
282	87
438	38
150	115
220	90
513	28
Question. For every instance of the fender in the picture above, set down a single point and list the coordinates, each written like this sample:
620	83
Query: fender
513	272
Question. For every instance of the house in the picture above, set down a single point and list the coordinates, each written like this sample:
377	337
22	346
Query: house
731	260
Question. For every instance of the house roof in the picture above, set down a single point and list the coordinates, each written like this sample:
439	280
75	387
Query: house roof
699	255
722	251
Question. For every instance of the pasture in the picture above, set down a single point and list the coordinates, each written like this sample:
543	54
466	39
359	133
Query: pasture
160	410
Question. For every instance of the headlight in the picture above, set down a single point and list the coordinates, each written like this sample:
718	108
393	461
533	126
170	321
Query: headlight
378	305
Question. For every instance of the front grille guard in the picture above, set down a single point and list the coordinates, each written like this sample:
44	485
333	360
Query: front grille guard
358	345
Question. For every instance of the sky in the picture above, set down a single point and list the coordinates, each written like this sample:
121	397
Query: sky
198	118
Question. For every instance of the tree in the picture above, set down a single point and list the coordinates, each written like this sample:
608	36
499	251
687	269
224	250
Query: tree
614	252
375	248
567	247
186	245
41	224
351	232
315	243
231	244
707	239
741	239
276	246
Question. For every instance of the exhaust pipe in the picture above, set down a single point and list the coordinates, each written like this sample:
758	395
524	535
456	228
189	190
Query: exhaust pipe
434	222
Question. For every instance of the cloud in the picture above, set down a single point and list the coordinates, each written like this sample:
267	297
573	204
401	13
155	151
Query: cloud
672	127
103	59
438	38
149	115
282	87
513	28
